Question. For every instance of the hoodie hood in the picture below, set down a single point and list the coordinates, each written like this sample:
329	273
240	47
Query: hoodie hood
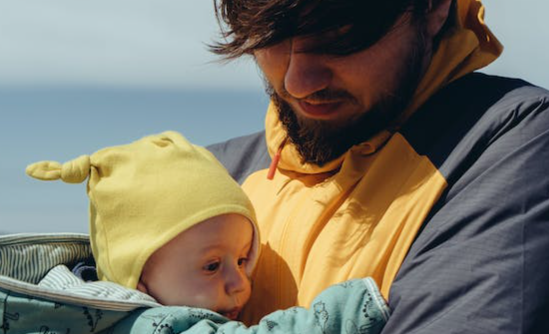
465	47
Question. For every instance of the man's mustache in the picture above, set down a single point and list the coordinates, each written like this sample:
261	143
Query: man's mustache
322	96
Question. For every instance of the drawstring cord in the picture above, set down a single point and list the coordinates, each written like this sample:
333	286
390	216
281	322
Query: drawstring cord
274	162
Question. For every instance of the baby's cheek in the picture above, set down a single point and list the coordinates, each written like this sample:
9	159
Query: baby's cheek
248	293
207	299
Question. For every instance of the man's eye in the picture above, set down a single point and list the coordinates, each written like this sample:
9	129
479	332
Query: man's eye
211	267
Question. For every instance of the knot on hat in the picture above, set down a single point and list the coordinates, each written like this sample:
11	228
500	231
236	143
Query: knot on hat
74	171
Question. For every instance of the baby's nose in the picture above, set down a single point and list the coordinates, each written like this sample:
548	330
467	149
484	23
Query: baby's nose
236	281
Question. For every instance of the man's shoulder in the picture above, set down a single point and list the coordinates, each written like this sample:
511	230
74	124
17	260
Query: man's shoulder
478	262
243	155
473	96
475	109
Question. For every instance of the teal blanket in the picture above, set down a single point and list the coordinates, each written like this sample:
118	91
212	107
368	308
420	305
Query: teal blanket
27	306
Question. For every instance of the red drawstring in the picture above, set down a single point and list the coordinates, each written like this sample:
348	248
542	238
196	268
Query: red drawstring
274	163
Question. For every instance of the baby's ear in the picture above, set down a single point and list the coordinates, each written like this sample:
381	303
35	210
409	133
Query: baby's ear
142	287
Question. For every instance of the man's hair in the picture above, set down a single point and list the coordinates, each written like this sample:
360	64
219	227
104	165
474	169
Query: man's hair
343	26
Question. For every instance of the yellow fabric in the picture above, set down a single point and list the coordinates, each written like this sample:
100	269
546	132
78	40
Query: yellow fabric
358	215
144	194
320	229
465	48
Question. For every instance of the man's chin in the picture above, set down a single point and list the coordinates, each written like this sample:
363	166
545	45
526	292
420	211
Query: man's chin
318	141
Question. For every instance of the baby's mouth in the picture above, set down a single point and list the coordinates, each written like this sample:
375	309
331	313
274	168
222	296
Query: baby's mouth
232	313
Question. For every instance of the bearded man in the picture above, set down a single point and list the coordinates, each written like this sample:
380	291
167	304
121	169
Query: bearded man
386	155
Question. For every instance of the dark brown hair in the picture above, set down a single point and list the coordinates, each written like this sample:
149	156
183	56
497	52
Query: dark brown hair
344	26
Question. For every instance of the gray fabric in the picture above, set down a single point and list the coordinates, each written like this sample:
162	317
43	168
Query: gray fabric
61	279
352	307
481	263
28	257
243	156
37	265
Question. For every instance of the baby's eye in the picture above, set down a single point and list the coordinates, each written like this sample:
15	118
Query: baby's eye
242	261
211	267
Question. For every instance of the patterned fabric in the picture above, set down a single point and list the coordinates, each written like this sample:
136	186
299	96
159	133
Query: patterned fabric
25	314
38	265
352	307
63	303
61	278
28	257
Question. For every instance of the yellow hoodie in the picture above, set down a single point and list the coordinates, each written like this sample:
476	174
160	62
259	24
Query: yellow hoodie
357	215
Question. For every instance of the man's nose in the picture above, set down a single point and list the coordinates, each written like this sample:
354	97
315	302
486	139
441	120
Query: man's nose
306	73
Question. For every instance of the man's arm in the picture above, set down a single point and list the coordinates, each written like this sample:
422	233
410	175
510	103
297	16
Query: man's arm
481	262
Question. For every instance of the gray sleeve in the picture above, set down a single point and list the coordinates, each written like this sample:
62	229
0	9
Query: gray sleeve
243	156
481	262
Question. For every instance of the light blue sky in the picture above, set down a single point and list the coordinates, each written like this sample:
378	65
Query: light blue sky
161	43
157	43
136	67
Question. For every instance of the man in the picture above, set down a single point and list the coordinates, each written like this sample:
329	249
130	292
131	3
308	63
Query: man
390	158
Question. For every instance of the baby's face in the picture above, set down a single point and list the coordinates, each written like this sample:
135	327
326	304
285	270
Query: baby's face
203	267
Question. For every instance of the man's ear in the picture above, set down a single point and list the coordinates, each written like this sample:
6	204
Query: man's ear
436	15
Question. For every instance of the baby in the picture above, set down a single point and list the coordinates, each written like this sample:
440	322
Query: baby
168	220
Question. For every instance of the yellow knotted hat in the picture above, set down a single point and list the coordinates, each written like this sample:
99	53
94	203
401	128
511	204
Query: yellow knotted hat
144	194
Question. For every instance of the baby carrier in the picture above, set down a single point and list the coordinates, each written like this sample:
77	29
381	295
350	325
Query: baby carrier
40	294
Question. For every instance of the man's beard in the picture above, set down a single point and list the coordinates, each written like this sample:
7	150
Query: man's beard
321	141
